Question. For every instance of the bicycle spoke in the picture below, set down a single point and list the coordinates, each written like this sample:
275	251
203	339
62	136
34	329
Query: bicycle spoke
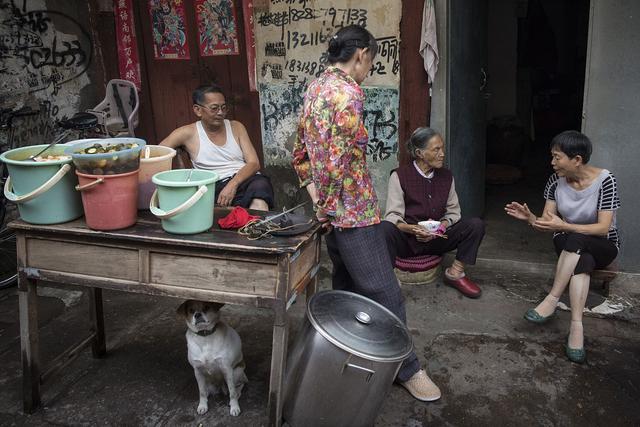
8	272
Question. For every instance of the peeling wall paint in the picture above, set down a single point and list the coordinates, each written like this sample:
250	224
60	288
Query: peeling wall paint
291	41
46	57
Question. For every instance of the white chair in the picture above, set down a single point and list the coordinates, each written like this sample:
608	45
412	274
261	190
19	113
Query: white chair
118	111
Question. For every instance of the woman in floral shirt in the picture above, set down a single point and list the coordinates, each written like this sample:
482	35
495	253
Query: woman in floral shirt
329	157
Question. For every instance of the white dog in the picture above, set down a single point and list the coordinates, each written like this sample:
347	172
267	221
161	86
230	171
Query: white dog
215	352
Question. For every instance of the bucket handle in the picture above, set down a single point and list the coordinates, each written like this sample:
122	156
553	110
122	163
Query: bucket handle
89	185
11	196
153	204
370	372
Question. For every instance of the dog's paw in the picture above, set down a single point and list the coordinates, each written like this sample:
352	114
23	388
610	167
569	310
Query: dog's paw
234	410
203	408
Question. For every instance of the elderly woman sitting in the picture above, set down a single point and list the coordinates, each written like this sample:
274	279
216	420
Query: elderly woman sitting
425	190
580	210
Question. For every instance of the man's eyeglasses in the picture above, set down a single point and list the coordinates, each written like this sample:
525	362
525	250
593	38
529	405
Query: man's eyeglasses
215	109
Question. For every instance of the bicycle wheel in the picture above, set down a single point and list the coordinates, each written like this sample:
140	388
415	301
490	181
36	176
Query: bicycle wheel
8	270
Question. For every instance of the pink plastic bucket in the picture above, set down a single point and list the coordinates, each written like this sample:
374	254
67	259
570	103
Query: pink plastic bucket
110	201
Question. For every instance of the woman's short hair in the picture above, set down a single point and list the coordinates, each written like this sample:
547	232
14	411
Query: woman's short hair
573	143
199	93
344	44
419	140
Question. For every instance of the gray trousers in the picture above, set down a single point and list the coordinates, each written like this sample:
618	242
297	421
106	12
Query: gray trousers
362	264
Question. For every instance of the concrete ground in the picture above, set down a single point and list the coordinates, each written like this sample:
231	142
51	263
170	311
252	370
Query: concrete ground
493	367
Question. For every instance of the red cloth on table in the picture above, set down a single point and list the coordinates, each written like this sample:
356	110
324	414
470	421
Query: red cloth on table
238	217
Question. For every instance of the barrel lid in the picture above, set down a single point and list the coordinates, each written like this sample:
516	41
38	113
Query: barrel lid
359	325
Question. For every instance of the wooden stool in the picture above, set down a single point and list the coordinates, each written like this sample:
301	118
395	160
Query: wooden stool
605	277
418	270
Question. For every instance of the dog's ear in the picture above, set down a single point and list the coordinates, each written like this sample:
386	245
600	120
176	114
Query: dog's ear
217	305
182	310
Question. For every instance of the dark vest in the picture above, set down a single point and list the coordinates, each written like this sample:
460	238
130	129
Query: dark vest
424	198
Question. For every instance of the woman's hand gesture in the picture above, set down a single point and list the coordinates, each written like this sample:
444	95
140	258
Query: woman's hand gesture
549	222
520	211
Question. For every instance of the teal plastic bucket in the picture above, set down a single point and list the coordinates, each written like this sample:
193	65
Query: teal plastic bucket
44	191
184	200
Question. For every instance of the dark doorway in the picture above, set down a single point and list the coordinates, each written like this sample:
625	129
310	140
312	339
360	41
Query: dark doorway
537	56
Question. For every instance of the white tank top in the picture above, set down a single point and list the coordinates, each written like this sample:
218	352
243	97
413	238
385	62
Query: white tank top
224	160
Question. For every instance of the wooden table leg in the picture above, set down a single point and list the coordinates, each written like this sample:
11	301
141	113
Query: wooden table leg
278	364
312	287
98	346
28	303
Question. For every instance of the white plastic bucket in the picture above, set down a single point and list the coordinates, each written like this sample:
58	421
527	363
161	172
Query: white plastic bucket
153	159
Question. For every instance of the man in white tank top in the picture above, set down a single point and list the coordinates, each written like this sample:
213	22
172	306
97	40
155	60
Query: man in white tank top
223	146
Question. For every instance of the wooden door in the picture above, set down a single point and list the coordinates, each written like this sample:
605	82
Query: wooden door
171	81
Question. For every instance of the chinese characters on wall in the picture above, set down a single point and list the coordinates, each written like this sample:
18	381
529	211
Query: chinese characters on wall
291	41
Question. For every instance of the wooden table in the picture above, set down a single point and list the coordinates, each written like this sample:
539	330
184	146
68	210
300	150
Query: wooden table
218	265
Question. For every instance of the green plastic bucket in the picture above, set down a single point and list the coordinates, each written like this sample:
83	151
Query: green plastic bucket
184	200
44	191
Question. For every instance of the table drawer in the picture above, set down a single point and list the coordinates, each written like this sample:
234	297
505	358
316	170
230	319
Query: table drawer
213	273
68	257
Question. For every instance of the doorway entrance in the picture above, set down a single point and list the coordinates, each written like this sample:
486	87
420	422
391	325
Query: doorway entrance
536	66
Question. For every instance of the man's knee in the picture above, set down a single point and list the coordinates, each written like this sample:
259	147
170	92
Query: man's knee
259	204
261	184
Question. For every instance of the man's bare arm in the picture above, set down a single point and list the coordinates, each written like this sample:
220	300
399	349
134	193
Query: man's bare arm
181	138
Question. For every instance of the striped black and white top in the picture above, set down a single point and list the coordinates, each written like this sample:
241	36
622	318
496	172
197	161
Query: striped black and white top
582	206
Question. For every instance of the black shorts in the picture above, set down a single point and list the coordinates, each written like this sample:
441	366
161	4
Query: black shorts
255	187
595	252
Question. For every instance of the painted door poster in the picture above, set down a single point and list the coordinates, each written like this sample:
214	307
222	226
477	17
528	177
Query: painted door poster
217	28
129	64
168	24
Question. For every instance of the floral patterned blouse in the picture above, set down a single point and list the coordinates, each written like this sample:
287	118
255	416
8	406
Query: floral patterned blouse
330	150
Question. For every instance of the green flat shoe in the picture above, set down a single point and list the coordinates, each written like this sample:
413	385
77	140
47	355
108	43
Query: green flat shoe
533	316
576	355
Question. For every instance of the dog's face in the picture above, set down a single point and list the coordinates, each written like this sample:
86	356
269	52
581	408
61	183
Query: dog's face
200	315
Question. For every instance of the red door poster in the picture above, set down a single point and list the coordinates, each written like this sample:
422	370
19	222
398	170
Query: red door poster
168	24
217	27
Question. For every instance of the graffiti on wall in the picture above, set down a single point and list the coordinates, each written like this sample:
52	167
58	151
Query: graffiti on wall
292	39
280	107
381	120
291	43
34	56
40	65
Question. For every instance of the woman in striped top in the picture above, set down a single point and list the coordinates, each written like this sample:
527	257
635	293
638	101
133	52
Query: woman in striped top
580	209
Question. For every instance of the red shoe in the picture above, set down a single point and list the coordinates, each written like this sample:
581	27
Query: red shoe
465	286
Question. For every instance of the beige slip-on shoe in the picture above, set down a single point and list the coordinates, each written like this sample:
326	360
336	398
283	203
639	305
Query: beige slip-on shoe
421	387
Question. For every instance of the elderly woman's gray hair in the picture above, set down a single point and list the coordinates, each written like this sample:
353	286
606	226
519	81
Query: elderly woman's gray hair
419	139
